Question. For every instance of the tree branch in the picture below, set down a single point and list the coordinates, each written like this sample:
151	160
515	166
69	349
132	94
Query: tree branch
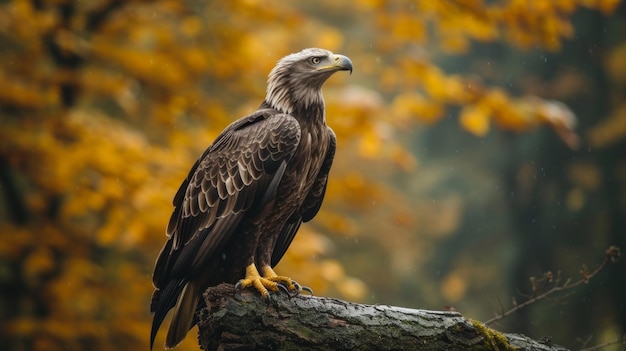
612	255
245	321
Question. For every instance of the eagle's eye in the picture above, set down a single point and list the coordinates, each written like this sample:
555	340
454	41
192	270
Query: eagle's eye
315	60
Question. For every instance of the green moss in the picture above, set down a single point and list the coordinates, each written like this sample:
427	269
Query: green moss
493	338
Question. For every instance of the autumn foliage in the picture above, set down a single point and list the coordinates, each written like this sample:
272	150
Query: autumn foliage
105	105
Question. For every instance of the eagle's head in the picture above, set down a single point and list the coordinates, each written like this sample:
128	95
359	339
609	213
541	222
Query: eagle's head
295	84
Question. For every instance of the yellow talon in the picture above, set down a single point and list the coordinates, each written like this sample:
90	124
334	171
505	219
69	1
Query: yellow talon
261	284
268	273
269	280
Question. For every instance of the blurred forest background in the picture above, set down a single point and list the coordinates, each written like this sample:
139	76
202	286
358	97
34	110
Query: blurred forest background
481	143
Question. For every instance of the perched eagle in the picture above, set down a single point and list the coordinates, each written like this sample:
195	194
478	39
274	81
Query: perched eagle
244	199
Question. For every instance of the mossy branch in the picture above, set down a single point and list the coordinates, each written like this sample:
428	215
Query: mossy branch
244	321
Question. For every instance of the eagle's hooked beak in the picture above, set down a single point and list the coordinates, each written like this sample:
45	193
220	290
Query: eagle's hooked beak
343	63
339	63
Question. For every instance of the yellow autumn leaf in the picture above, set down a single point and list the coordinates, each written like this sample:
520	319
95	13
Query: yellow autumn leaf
352	288
454	287
609	131
370	145
330	38
608	6
403	158
38	262
414	106
455	43
332	270
475	119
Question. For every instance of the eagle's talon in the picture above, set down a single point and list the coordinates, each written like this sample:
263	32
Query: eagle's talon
238	286
285	281
236	293
268	281
297	286
296	290
307	289
284	288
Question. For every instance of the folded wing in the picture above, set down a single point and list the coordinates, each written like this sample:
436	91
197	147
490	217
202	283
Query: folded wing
234	178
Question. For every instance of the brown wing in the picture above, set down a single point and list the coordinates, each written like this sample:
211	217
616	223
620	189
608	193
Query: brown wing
310	206
235	177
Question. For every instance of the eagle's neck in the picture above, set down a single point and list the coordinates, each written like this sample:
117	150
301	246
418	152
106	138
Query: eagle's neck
294	97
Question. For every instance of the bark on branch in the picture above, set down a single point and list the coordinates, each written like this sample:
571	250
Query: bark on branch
247	322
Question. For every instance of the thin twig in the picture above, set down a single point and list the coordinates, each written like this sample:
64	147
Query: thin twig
606	344
612	254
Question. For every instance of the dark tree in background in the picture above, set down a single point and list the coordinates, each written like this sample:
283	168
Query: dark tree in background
575	208
561	207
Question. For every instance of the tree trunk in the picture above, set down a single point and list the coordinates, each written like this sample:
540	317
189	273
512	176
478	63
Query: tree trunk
244	321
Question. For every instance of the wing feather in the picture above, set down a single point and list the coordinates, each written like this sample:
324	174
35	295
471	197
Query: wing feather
244	173
313	202
310	206
287	234
235	177
203	203
238	173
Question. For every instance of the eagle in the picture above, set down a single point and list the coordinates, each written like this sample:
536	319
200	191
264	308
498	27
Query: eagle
244	199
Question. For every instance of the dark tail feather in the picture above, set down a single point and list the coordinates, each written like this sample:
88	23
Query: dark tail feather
196	316
183	315
162	302
155	327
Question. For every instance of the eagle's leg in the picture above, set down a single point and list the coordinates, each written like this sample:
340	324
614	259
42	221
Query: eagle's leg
254	279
